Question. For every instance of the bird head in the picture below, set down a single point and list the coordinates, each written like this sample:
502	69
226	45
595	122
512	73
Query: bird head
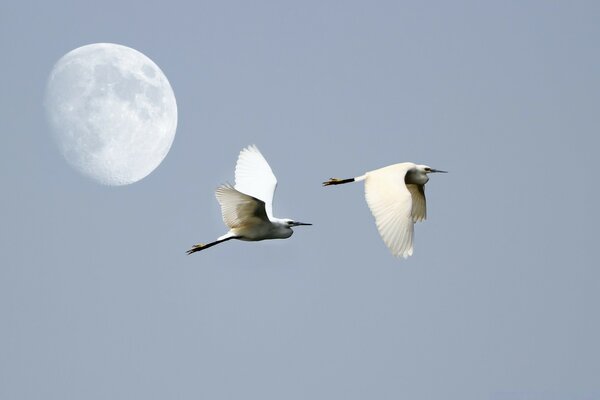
284	226
290	222
427	169
418	174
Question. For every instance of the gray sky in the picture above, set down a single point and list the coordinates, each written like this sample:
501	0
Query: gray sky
500	301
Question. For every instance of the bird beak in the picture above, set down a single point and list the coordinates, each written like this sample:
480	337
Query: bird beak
438	170
300	223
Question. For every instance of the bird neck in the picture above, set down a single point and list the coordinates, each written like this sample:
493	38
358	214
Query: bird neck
281	228
278	221
416	177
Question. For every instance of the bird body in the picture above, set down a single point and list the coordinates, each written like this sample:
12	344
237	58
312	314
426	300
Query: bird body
396	197
247	207
247	218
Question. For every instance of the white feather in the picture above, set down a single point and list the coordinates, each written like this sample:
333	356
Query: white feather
239	209
391	203
247	208
254	177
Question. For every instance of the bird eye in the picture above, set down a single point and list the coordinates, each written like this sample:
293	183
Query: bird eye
427	169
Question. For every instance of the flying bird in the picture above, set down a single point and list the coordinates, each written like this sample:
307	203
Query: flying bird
247	207
396	196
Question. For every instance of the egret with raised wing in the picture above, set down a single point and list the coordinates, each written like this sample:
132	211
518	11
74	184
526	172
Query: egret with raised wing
247	207
396	196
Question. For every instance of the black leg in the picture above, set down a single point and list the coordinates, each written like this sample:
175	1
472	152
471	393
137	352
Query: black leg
201	246
336	181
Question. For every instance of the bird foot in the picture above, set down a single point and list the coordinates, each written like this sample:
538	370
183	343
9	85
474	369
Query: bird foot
331	181
195	248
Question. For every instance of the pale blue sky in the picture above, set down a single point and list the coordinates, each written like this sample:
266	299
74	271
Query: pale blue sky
500	301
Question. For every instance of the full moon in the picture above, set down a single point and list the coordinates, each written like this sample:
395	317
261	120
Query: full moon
112	112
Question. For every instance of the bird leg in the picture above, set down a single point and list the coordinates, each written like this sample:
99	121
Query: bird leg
201	246
337	181
195	248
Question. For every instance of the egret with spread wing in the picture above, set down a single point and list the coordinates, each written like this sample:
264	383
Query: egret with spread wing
396	196
247	207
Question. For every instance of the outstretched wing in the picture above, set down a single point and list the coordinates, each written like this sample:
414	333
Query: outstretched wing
254	177
239	209
391	203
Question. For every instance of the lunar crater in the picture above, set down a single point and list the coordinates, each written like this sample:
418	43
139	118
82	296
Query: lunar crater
112	111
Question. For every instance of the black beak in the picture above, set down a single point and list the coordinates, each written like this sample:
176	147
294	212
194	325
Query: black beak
300	223
438	170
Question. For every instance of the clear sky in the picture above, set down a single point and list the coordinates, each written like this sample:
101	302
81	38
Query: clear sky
98	299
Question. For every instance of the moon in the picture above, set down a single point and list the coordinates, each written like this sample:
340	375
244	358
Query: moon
112	112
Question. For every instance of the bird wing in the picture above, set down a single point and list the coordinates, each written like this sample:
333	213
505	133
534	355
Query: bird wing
239	209
254	177
419	206
391	203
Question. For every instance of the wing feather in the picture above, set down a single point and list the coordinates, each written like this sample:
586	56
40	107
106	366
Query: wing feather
254	177
239	209
419	207
391	203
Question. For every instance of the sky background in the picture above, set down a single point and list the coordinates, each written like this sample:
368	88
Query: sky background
98	299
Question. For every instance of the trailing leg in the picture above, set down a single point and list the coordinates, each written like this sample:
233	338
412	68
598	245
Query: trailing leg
337	181
201	246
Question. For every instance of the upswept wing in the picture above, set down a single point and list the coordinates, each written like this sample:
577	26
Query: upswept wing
239	209
391	203
254	177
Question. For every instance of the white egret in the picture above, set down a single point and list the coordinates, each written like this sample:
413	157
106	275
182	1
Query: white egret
247	207
396	196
